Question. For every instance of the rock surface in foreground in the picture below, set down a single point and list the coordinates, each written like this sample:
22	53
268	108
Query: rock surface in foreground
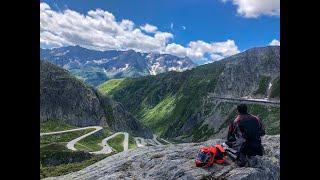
177	162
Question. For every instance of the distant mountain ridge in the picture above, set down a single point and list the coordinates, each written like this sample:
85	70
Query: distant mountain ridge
95	67
182	105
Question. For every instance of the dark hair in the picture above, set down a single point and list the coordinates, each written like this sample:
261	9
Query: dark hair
242	109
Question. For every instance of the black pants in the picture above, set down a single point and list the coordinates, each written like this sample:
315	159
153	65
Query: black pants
248	149
252	148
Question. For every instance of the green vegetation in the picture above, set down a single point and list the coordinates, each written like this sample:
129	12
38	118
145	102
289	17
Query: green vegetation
275	89
54	125
174	104
154	117
263	85
52	171
93	142
166	101
200	132
56	159
132	142
109	85
270	117
64	137
117	143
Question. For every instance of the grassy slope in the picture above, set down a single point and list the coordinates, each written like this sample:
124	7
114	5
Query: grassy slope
54	125
109	85
117	143
93	142
56	160
132	142
63	169
167	100
153	117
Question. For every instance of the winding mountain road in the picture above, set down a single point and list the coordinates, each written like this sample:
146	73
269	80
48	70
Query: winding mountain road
71	130
140	141
156	140
106	148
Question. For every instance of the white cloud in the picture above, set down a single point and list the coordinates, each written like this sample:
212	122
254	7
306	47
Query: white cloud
274	42
171	26
255	8
99	30
197	50
184	28
149	28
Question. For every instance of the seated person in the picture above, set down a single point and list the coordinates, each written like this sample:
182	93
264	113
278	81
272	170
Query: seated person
244	135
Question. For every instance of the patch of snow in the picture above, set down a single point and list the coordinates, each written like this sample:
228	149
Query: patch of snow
77	61
101	61
154	68
173	69
124	68
105	71
270	85
66	66
62	53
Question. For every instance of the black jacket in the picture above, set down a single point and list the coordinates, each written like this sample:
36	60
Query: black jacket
251	129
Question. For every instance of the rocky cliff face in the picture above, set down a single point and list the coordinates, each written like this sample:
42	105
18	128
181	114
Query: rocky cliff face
177	162
64	97
250	74
118	119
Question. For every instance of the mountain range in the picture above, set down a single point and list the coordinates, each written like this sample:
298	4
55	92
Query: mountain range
95	67
189	106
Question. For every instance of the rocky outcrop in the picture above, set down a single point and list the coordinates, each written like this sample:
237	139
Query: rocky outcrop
251	73
66	98
119	119
177	162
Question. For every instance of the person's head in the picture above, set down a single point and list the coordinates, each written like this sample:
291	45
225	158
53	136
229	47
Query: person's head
242	109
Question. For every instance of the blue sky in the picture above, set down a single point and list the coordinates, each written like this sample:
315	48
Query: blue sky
205	22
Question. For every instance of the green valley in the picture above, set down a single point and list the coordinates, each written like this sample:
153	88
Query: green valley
176	105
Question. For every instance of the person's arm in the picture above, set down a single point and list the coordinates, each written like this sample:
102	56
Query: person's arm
231	131
231	136
262	129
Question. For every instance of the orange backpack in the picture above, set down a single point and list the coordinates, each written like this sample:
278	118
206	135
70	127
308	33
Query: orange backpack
209	155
